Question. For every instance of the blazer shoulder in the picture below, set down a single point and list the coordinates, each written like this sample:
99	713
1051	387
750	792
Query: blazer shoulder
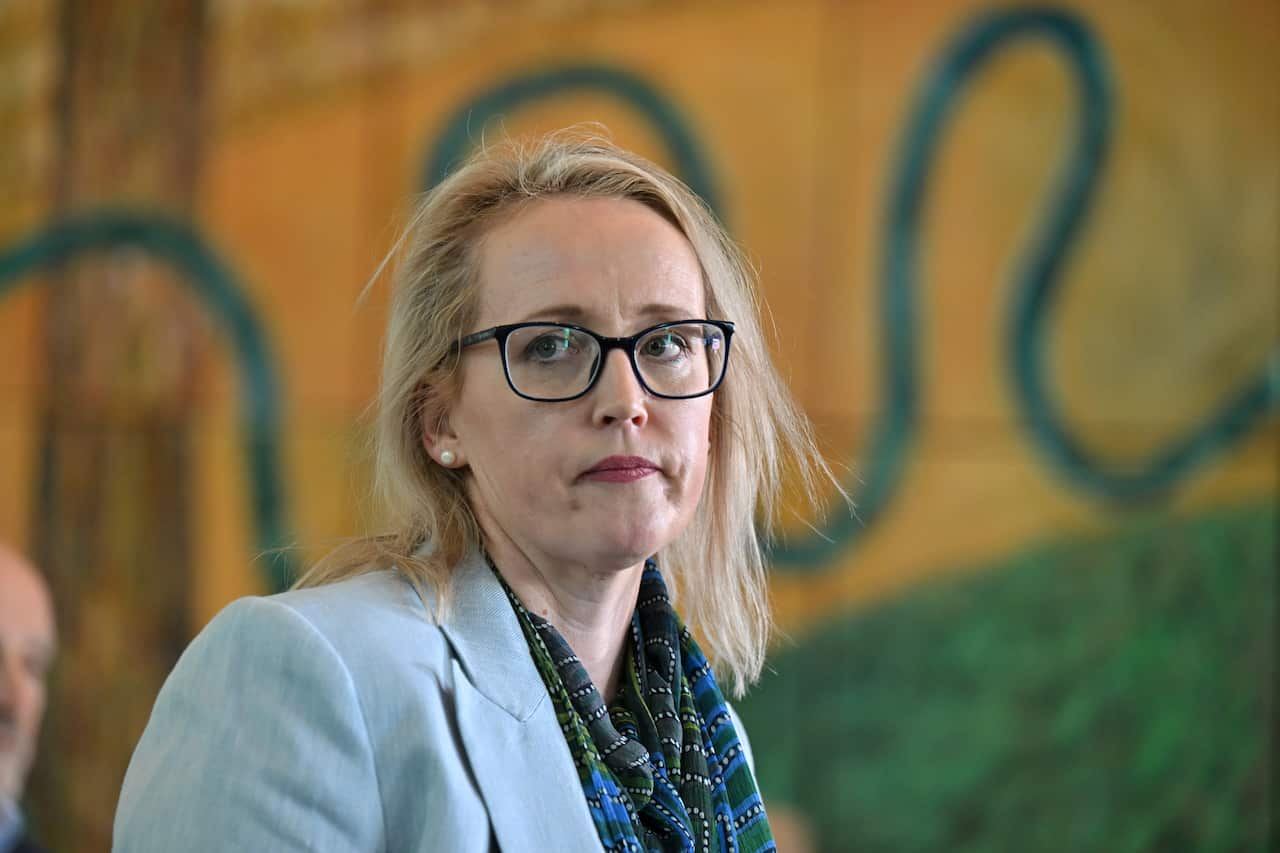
376	617
258	740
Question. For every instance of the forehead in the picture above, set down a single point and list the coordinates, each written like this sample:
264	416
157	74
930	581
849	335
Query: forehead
614	260
26	614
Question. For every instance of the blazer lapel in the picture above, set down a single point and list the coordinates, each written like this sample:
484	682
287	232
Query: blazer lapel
508	724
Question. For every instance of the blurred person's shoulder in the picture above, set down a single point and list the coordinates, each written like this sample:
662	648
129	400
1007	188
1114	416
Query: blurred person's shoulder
13	837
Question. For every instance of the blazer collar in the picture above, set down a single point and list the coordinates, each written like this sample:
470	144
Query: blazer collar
521	761
486	635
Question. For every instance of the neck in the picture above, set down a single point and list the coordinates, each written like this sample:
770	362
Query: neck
590	608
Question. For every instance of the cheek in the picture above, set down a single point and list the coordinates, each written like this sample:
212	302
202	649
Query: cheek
519	464
31	703
698	478
695	431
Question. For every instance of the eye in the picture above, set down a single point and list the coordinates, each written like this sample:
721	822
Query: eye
549	346
665	345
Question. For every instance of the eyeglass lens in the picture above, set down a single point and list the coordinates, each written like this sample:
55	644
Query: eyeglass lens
553	362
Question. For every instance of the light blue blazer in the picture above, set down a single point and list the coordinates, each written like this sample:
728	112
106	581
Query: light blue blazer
342	718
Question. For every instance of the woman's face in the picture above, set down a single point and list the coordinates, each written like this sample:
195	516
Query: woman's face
615	267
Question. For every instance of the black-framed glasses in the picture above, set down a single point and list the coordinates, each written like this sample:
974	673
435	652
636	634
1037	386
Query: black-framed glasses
555	362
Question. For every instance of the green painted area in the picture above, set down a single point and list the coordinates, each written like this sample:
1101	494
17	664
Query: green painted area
1113	694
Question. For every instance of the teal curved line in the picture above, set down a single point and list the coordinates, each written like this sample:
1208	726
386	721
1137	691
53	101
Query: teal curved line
1036	291
977	43
218	290
1036	288
691	165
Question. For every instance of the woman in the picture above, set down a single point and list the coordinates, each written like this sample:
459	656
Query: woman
560	440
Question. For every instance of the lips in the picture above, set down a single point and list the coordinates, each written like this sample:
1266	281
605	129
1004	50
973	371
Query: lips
620	469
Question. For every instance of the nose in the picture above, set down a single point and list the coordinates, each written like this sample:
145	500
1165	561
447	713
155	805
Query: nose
618	395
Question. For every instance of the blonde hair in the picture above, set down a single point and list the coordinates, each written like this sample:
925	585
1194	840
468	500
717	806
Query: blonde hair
716	567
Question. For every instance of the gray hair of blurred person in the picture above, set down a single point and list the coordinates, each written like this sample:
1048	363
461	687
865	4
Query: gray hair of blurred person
716	567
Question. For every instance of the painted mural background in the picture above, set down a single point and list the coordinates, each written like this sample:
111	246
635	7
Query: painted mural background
1022	268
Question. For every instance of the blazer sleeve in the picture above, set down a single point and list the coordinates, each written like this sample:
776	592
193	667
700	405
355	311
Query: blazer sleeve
256	742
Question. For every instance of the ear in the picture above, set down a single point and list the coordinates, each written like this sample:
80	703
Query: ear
437	433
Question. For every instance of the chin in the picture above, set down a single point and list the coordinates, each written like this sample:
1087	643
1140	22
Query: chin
627	547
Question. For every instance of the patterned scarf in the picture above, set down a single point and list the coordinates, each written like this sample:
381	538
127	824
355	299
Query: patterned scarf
662	767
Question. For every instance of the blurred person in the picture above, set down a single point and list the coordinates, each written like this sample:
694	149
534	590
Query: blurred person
561	434
27	645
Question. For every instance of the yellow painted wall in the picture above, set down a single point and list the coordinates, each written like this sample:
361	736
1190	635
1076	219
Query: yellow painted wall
800	109
323	115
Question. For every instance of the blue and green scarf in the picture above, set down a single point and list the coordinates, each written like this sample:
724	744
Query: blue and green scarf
662	767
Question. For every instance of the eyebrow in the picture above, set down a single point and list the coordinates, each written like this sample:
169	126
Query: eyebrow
576	314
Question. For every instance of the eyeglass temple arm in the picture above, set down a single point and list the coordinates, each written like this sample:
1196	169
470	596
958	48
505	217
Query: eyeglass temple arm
477	337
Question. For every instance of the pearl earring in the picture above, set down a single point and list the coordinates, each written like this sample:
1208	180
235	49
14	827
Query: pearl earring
447	457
